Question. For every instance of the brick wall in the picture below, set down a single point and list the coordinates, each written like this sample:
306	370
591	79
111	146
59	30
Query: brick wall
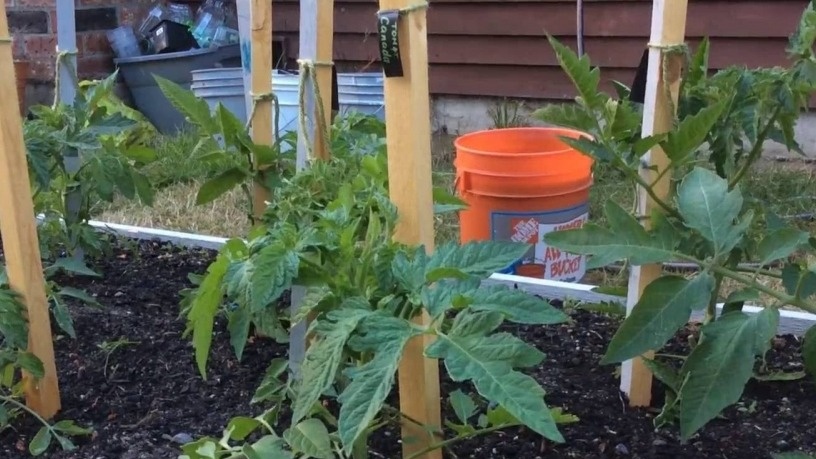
33	26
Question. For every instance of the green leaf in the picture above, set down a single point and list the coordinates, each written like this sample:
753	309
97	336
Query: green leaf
207	299
516	305
809	351
270	447
793	455
780	243
692	132
69	427
80	295
663	308
31	363
73	265
478	258
273	270
698	68
463	405
197	110
625	239
562	417
323	358
708	207
718	368
214	188
238	323
585	78
311	438
445	202
41	441
271	386
438	297
370	384
63	317
487	365
143	188
240	427
664	373
746	294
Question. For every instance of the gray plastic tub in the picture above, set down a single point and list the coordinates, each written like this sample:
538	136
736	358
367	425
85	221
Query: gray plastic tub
138	74
362	92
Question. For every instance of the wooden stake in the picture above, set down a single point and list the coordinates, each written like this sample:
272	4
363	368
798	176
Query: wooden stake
316	48
261	33
668	30
408	132
20	245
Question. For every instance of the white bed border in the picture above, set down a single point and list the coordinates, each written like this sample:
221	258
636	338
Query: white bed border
791	322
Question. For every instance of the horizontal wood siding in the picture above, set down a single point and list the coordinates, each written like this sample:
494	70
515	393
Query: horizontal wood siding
499	48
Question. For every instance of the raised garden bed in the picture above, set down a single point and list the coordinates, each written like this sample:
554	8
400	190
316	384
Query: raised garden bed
139	396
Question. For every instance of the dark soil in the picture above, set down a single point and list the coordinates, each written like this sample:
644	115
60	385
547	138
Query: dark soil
151	391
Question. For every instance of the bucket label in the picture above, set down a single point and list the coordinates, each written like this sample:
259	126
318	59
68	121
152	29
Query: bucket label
542	261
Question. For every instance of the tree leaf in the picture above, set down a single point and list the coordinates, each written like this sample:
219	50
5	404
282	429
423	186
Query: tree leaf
472	358
780	243
310	437
463	405
214	188
718	368
625	239
207	299
370	384
323	358
662	309
41	441
708	207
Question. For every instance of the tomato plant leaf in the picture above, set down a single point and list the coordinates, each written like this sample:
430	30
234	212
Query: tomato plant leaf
323	358
809	351
216	187
706	204
273	270
662	309
719	367
311	438
780	243
477	258
516	305
41	441
624	239
585	78
371	383
208	298
463	405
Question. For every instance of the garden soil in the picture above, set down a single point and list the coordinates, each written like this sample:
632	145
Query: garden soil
150	391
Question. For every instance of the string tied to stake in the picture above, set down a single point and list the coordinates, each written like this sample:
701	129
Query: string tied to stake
307	73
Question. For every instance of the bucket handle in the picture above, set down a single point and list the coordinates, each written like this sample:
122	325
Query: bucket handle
461	182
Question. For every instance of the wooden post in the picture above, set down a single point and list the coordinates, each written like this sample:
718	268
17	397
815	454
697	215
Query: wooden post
668	29
68	82
261	61
408	135
316	47
20	245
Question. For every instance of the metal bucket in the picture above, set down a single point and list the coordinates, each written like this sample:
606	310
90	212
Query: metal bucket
362	92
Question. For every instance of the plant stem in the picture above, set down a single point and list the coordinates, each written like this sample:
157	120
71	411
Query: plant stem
650	191
756	151
451	441
22	406
711	309
783	298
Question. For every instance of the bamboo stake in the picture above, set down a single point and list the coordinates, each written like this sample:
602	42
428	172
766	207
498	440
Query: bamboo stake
409	177
20	245
261	77
668	30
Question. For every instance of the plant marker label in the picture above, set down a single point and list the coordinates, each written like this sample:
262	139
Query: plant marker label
388	32
542	261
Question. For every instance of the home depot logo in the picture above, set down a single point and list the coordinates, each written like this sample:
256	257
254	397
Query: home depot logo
524	230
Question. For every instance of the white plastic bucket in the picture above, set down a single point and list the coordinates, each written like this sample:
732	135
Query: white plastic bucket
362	93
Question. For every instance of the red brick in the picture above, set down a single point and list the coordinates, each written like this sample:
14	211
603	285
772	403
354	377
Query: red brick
92	67
39	46
41	70
37	3
93	43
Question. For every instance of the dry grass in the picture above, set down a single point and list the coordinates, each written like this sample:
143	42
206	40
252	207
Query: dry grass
175	209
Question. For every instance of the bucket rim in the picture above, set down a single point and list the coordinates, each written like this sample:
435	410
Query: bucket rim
567	191
458	142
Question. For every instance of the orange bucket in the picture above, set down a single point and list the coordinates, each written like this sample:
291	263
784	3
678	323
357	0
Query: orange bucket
520	184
